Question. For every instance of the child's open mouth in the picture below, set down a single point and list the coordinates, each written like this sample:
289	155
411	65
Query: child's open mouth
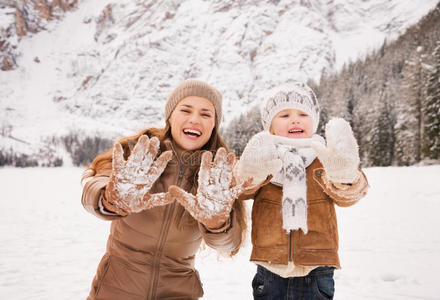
296	131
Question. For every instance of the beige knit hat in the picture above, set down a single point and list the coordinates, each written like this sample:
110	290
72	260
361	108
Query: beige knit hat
193	87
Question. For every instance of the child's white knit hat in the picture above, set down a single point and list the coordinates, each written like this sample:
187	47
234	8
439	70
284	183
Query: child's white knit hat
295	95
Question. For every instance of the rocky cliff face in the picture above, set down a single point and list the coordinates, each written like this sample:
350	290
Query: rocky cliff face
21	17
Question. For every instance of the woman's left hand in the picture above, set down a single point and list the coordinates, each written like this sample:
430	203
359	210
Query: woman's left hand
216	191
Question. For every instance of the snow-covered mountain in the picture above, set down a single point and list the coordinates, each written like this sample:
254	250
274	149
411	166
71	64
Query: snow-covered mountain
106	67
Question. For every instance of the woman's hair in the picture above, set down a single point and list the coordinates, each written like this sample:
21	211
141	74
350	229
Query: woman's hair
104	161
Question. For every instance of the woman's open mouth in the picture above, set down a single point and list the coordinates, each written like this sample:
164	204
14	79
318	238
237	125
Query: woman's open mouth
192	133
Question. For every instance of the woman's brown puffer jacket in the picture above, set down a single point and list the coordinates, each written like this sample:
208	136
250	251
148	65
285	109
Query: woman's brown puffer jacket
150	255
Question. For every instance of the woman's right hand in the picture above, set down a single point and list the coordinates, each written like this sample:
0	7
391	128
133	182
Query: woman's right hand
258	160
132	179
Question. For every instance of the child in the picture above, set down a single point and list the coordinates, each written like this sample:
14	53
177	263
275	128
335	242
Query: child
294	227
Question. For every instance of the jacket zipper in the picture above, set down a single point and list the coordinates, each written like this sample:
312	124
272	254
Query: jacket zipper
290	245
169	213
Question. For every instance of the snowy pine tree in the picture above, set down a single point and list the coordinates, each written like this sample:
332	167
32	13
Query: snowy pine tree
432	110
409	125
381	152
241	129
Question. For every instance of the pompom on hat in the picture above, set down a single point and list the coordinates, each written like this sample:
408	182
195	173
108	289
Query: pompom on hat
295	95
194	87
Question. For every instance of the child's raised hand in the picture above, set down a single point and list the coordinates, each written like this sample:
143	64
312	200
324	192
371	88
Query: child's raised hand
341	156
259	159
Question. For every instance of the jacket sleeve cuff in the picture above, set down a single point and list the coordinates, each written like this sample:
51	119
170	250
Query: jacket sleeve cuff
224	228
108	208
91	196
342	194
227	240
102	210
250	192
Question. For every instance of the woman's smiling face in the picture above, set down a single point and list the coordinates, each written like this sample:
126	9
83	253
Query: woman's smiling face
292	123
192	122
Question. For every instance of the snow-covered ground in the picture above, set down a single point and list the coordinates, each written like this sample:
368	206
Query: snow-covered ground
389	242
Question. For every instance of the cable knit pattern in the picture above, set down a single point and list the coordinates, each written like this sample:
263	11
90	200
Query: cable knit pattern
194	87
292	177
295	95
286	159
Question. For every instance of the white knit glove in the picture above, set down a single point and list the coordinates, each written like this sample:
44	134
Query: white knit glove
341	157
259	159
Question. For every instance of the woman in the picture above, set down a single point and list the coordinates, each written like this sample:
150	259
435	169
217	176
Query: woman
161	206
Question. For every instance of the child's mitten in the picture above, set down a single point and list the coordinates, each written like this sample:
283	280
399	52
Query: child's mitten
259	159
131	180
341	157
216	191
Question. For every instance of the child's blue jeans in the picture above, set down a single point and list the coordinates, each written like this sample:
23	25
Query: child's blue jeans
318	284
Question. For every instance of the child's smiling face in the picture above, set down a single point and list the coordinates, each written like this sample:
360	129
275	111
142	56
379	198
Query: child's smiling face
292	123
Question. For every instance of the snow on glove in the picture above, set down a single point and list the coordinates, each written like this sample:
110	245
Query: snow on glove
341	157
259	159
131	180
216	192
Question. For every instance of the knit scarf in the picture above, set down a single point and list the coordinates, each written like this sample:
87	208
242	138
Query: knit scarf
296	156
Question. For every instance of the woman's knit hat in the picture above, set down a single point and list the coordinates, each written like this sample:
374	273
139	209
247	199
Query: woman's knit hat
295	95
193	87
